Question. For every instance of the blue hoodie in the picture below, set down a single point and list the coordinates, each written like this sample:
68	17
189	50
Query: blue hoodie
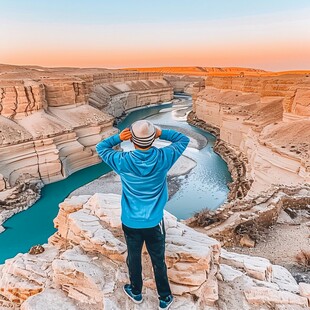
144	177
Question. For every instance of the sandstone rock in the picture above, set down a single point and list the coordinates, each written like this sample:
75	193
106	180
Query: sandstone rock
300	104
65	208
208	293
26	275
117	98
259	296
186	84
304	289
19	197
65	91
49	299
106	208
81	278
86	230
284	218
187	277
289	307
247	242
85	271
6	304
72	204
231	289
193	269
266	284
256	267
2	183
229	274
284	279
21	97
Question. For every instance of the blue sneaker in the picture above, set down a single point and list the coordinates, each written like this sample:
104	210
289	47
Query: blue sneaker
165	303
137	299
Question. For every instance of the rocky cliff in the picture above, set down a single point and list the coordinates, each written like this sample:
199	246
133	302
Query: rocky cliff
83	267
191	80
263	129
117	98
52	118
266	118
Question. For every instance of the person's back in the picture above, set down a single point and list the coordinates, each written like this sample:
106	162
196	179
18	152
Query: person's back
143	173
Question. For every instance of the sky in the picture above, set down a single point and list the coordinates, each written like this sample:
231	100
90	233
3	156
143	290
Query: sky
264	34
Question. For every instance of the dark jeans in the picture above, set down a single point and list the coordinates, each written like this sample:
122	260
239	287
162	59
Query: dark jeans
154	238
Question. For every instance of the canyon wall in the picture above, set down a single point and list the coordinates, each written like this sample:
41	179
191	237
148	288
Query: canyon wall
51	120
187	84
117	98
191	80
268	119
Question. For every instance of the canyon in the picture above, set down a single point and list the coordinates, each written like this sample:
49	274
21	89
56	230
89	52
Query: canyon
52	118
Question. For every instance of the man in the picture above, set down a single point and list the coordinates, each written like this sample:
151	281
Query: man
143	174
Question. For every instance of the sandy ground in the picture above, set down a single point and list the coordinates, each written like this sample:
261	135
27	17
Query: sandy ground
282	242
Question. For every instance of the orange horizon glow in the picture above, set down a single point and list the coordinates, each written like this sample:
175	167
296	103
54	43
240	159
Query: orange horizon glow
272	42
251	58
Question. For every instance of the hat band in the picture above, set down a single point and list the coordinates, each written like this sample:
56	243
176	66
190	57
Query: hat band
142	141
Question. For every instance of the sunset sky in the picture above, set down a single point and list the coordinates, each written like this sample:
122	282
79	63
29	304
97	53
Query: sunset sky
265	34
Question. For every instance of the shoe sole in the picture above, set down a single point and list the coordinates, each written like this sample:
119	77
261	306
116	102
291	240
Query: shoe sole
167	307
135	301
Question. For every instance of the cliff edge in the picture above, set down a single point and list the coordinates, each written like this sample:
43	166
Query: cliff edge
83	267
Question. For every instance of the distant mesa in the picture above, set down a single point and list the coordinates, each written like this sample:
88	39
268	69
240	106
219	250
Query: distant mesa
203	71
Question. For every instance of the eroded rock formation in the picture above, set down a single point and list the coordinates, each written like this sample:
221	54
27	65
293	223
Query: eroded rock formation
263	128
266	118
51	120
83	267
117	98
247	217
187	84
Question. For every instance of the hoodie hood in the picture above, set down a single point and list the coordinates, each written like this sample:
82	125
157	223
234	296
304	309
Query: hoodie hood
143	163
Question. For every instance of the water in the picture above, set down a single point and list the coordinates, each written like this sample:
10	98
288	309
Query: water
204	187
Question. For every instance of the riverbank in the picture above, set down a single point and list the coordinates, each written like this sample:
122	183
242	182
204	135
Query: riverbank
235	159
19	198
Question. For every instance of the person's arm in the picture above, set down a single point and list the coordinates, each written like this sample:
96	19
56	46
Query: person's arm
176	148
108	154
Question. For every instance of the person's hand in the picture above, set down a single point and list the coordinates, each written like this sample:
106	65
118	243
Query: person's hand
158	132
125	134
